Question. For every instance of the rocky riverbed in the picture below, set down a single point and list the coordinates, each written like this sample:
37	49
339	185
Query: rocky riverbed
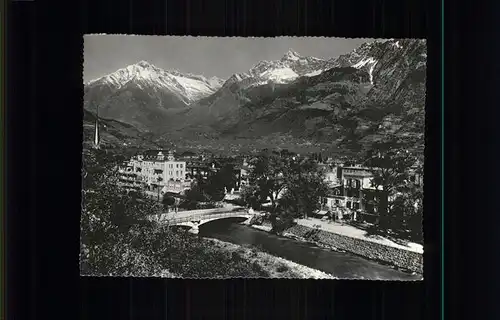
276	267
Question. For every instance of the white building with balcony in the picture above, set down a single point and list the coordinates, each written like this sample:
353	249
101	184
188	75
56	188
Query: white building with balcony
158	173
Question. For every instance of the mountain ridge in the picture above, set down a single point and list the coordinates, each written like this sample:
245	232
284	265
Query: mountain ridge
146	96
352	100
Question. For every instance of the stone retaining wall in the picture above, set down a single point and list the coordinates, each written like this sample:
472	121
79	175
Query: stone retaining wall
395	256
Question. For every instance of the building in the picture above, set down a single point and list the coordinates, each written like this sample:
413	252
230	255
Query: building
351	188
159	168
128	179
188	156
354	181
335	197
196	169
156	173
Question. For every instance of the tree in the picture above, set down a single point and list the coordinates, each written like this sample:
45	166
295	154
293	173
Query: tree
226	176
305	187
406	209
168	201
216	184
415	213
389	164
251	197
293	186
268	176
109	218
193	197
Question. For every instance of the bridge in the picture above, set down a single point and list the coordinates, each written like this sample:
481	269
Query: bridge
194	219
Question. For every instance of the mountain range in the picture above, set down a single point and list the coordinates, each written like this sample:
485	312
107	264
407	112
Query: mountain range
350	101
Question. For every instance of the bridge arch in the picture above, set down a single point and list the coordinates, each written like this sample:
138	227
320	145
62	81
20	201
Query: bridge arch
236	218
195	223
198	219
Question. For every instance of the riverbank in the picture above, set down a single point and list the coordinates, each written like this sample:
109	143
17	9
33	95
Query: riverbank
407	260
276	267
267	228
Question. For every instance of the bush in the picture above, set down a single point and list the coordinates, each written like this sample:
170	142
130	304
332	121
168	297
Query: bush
168	201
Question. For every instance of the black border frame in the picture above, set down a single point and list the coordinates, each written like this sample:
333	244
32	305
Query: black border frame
43	125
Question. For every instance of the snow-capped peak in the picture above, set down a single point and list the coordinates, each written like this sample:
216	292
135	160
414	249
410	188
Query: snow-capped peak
363	62
145	75
291	55
290	67
370	62
144	64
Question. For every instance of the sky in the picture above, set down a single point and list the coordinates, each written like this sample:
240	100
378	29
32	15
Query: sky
207	56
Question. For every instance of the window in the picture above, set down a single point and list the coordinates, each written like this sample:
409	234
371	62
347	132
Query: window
356	205
176	172
337	202
177	165
358	184
348	205
181	165
170	173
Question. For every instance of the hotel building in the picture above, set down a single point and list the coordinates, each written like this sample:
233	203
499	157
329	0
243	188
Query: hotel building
156	173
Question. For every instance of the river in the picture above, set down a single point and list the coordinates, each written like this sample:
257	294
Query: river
338	264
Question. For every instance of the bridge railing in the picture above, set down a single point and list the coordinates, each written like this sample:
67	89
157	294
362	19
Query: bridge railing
163	216
175	220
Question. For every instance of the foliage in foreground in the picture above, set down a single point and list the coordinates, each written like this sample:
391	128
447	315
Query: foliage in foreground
116	240
403	210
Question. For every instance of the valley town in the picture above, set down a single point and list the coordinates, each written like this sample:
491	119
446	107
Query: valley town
339	208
